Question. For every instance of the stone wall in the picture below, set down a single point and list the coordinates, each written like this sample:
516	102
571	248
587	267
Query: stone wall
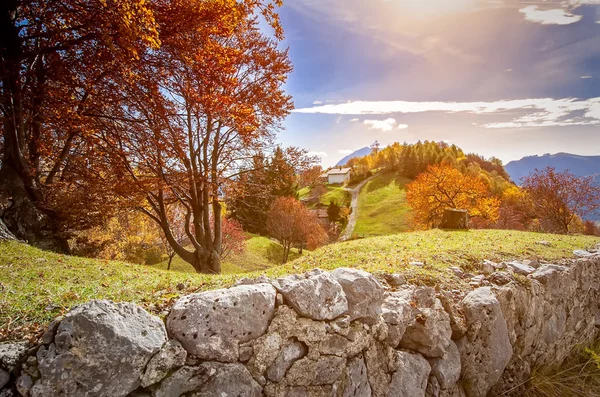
341	333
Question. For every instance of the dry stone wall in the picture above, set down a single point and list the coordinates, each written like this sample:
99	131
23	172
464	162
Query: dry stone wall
344	333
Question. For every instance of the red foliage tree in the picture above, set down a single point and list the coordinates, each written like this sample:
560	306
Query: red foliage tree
59	61
292	224
560	198
234	238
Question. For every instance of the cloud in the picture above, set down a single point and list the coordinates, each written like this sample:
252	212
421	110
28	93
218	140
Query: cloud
586	77
345	152
318	154
549	17
384	125
354	120
317	102
540	112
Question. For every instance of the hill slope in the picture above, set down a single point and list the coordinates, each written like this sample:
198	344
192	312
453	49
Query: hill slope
578	165
261	253
382	207
37	286
358	153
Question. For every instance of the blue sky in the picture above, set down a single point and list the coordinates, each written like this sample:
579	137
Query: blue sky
504	78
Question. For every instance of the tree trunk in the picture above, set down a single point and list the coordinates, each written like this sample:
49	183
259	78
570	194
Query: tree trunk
207	262
21	201
170	260
23	216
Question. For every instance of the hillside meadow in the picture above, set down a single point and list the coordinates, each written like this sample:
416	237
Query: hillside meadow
37	286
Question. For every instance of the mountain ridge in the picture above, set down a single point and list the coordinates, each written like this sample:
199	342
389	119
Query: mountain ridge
357	153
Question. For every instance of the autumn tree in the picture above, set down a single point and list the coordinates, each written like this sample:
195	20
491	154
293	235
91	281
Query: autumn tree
59	61
199	108
291	223
561	198
443	187
262	181
310	177
234	238
128	236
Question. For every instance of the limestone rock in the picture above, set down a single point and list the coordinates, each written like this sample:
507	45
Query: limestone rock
457	321
520	268
288	355
171	356
583	253
323	371
410	380
395	279
500	278
486	350
398	313
447	368
11	354
184	380
357	382
246	353
4	378
24	384
228	380
549	274
212	324
363	292
355	339
316	295
100	349
381	360
430	332
488	267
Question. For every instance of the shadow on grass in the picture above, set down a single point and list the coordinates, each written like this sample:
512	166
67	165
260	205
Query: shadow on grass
385	179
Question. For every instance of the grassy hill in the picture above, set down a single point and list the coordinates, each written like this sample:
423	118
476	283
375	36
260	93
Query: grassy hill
261	253
382	207
37	286
334	193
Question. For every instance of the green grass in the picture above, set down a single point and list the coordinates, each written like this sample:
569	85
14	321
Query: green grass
304	193
338	194
261	253
37	286
440	249
382	207
578	376
334	193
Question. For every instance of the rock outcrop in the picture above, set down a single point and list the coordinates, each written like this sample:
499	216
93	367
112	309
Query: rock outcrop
99	349
343	333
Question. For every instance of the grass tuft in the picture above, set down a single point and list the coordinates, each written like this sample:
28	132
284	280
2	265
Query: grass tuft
578	376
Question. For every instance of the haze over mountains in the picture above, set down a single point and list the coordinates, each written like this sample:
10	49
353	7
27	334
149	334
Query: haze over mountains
576	164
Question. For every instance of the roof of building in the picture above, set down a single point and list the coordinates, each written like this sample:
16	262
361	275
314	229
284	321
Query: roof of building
339	171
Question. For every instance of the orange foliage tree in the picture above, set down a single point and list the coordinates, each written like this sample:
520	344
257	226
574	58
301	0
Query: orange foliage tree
292	224
199	108
59	61
443	187
560	199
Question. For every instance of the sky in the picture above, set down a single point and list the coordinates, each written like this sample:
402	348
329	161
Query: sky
503	78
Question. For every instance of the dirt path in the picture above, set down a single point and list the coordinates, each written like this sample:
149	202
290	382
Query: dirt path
354	205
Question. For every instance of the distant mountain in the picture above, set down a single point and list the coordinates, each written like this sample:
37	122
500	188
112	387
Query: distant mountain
578	165
359	153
